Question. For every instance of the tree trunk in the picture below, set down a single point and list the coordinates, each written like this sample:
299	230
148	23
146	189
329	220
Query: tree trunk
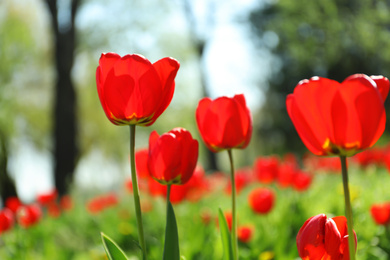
64	117
7	185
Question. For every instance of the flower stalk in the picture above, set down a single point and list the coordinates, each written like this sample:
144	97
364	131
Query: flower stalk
137	203
234	211
348	208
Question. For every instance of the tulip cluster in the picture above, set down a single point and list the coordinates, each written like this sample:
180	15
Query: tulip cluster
102	202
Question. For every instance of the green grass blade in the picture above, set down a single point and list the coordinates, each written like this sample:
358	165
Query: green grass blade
113	251
225	236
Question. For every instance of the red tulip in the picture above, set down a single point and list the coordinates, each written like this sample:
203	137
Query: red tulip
132	90
224	123
141	163
245	233
322	238
6	220
13	203
261	200
381	213
47	198
172	156
29	215
339	118
301	181
266	169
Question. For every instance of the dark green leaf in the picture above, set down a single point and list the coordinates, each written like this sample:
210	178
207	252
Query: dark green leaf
171	246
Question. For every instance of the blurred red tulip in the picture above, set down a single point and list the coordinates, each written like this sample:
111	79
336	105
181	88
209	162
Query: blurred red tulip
13	203
266	169
6	220
243	177
102	202
224	123
132	90
301	181
323	238
381	213
29	215
286	175
47	198
245	233
172	156
141	163
261	200
339	118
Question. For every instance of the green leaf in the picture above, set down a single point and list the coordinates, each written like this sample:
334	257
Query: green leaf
225	236
171	246
113	251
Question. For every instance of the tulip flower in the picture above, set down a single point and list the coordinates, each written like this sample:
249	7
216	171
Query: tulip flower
172	156
245	233
134	91
323	238
381	213
261	200
29	215
13	203
6	219
339	118
266	169
224	123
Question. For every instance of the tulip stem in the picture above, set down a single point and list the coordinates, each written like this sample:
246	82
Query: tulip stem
348	208
234	218
137	203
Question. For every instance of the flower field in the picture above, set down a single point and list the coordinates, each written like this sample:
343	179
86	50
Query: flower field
75	232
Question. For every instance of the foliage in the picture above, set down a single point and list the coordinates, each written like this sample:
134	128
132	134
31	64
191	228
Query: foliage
332	39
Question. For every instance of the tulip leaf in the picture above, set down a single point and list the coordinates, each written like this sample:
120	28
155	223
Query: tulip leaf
171	244
113	251
225	236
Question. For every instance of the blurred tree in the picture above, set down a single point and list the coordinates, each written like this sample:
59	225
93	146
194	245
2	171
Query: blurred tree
65	121
199	40
327	38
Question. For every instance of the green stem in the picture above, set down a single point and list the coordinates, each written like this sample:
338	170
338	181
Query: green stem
234	218
137	203
348	208
168	195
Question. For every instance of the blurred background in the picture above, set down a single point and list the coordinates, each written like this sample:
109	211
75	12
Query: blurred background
53	131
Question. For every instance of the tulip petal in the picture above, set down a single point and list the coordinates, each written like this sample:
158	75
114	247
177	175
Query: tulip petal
383	85
310	238
332	239
302	126
166	69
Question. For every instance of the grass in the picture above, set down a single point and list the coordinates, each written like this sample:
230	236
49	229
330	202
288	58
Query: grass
76	234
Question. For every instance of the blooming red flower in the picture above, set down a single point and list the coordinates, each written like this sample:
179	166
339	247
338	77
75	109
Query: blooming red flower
266	169
381	213
224	123
339	118
243	177
323	238
301	181
47	198
13	203
261	200
29	215
141	163
132	90
6	220
172	156
245	233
